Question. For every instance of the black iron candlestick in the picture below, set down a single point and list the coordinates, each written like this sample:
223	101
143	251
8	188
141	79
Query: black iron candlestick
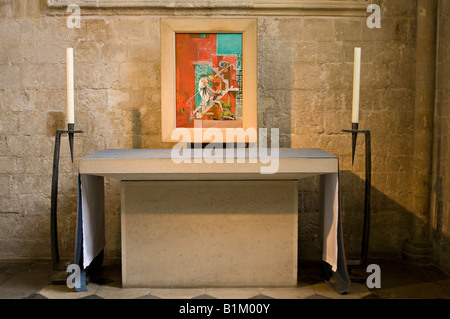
366	226
354	137
54	197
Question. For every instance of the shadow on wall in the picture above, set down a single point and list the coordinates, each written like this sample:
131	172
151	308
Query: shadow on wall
389	221
136	129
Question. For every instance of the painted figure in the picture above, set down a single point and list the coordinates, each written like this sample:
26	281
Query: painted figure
208	95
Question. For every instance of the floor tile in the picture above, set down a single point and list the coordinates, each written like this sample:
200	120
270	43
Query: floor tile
119	293
93	296
424	290
64	292
316	296
36	296
261	296
20	287
233	293
289	293
4	277
149	296
177	293
204	296
359	290
323	289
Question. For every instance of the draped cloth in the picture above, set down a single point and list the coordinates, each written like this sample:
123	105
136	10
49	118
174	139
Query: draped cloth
334	265
90	232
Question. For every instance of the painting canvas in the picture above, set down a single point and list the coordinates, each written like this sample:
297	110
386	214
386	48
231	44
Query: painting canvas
209	79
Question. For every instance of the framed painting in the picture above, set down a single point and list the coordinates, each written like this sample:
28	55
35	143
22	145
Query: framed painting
208	78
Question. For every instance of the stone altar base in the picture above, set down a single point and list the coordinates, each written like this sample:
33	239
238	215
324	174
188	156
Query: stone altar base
209	233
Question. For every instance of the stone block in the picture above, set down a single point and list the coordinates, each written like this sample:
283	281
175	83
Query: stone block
41	76
291	28
5	9
9	124
10	76
333	122
401	99
337	76
5	185
26	184
330	52
307	76
27	30
401	145
22	9
268	26
104	76
139	75
317	29
303	51
22	52
86	52
348	29
22	100
399	8
206	234
334	144
31	123
44	29
4	53
334	100
118	98
23	146
126	28
274	53
8	165
374	76
143	51
114	51
10	31
82	75
97	30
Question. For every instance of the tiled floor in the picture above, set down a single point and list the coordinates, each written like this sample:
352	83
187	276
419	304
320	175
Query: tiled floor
25	279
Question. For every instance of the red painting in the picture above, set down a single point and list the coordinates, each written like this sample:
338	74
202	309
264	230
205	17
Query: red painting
208	79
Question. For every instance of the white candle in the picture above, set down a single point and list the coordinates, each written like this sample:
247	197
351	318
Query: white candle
70	87
356	84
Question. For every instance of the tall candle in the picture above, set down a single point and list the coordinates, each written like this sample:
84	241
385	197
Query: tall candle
356	84
70	87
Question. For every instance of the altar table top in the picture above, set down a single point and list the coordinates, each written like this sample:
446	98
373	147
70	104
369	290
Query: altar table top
158	164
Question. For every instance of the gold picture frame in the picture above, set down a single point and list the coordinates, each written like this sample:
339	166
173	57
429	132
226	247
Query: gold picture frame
170	27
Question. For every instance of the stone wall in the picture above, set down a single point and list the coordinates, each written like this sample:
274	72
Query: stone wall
322	73
305	65
440	221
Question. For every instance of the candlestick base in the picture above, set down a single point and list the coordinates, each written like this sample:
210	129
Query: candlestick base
57	265
368	173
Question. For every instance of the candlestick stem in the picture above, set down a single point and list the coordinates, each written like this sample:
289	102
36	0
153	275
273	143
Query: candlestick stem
354	137
71	127
54	196
362	262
